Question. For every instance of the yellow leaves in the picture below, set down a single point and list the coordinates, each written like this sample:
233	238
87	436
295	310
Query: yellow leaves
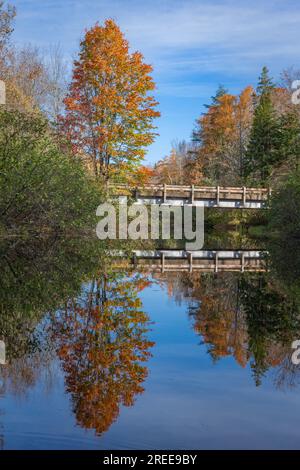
222	133
109	111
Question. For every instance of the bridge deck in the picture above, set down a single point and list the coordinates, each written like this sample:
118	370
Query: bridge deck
218	196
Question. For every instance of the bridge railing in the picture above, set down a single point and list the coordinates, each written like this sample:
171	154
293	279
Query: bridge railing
203	261
193	193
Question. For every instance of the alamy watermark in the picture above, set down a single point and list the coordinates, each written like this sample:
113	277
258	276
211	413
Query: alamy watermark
157	221
295	358
296	93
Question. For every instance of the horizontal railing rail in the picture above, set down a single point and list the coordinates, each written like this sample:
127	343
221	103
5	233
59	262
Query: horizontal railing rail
220	195
202	260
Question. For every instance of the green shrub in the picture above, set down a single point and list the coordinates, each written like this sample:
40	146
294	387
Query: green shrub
41	188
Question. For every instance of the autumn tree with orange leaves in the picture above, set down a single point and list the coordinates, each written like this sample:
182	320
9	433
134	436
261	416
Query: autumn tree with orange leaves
109	111
222	134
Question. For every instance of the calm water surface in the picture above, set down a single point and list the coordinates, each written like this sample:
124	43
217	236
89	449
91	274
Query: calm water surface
199	388
185	361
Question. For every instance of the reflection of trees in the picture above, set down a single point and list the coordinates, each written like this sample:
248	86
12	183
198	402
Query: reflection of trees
102	343
273	322
22	373
247	316
287	374
214	305
36	276
100	333
222	322
285	263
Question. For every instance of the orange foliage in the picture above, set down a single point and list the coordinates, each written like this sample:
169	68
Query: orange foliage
109	111
222	133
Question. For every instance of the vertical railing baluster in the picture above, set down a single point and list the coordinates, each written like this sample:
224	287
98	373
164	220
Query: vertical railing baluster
191	262
244	195
192	194
162	259
243	262
165	193
216	262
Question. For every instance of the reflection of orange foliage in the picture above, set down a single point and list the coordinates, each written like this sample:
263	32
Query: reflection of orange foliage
222	326
142	283
218	318
102	343
219	315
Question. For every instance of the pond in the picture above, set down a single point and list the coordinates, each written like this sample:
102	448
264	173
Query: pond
99	358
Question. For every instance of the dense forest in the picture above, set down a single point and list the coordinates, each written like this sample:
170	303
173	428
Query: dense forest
251	138
59	144
62	143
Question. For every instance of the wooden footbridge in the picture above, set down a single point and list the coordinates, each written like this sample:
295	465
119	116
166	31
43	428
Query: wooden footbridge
217	196
189	261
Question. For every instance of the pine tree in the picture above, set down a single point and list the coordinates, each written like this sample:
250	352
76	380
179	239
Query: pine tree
289	149
265	83
262	151
215	100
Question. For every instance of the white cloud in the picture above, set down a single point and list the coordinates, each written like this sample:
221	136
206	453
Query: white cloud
178	37
231	35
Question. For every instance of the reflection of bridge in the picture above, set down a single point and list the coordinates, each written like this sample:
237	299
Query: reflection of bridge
218	196
202	261
2	353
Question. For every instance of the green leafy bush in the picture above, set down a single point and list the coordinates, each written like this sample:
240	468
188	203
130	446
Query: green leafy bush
41	188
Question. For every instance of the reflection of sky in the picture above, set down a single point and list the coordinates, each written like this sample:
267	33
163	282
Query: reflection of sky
194	45
188	402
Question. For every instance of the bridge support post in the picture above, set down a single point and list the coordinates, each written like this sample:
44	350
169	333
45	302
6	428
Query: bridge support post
216	262
218	195
244	195
243	262
134	260
162	261
190	255
165	193
192	194
269	194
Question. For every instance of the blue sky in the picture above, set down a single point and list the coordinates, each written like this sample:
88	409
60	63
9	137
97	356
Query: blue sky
193	45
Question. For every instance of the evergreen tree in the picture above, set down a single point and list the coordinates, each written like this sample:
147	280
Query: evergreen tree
262	150
289	148
221	91
265	83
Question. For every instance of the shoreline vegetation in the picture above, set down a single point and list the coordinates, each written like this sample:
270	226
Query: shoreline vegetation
60	145
60	148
